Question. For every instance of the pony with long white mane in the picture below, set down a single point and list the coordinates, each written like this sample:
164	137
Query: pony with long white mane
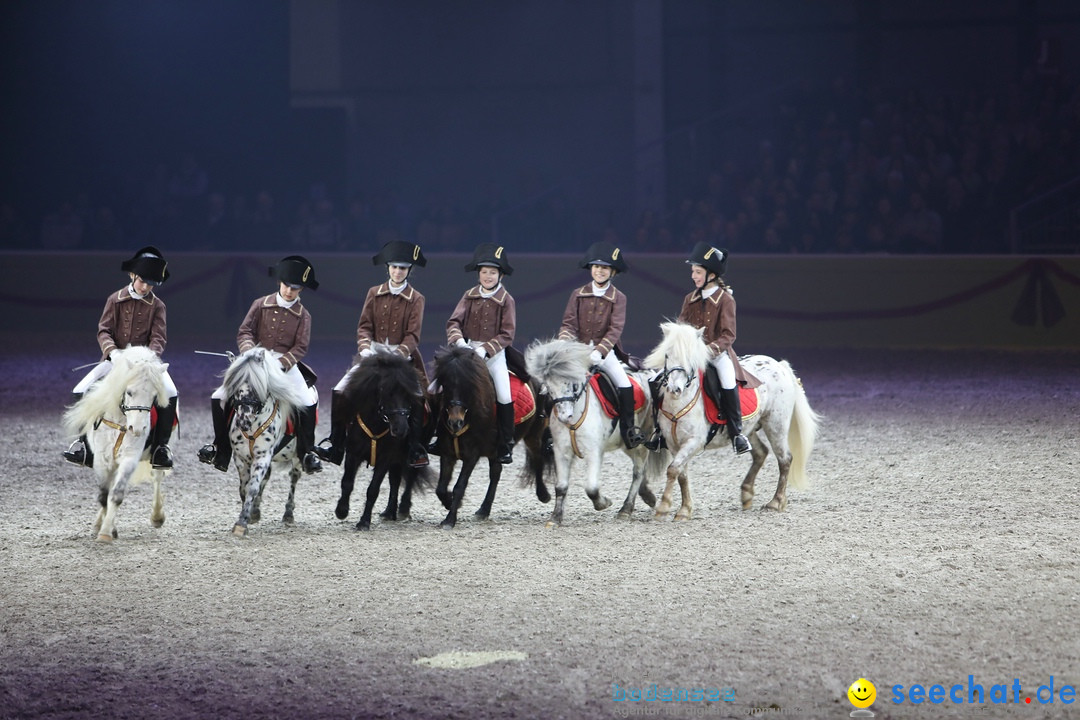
262	401
581	429
115	416
782	415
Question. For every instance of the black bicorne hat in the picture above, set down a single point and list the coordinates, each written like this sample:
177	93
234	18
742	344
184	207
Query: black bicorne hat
712	259
490	255
149	264
401	253
604	253
295	271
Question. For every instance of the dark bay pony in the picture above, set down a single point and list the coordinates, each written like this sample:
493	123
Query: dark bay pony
382	394
465	415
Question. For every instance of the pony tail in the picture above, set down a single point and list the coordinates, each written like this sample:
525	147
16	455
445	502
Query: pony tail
801	433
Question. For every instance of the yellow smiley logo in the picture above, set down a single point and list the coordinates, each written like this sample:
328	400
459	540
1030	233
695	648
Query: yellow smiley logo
862	693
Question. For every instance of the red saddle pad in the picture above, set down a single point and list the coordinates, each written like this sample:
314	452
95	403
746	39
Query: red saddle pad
748	403
524	401
609	409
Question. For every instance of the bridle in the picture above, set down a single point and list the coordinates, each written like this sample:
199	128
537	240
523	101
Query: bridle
255	406
576	391
121	427
673	418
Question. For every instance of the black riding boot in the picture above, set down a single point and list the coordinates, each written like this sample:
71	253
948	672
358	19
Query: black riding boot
219	452
504	425
631	433
305	439
79	453
339	422
733	414
160	455
656	442
417	452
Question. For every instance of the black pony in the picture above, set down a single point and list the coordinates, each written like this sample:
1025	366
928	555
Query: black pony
380	396
464	411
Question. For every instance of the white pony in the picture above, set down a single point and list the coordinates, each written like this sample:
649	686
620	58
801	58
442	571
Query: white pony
783	415
262	401
114	414
581	429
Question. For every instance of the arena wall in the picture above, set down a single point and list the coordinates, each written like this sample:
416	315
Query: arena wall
784	301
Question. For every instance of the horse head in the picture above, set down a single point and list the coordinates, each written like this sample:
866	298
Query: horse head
679	357
562	368
465	384
386	386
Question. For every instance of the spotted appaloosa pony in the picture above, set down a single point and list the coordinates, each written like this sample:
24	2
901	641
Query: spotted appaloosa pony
581	429
114	414
262	401
783	416
382	394
464	409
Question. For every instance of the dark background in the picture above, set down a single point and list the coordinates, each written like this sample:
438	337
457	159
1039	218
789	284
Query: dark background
544	124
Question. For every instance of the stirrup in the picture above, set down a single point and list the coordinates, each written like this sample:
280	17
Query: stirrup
207	453
506	454
418	459
633	437
329	453
656	443
161	458
433	446
311	463
740	444
76	456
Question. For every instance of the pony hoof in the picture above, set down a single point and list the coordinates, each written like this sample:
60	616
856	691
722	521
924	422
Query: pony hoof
288	520
392	517
256	516
341	511
622	515
601	503
239	530
542	494
104	538
775	506
553	525
157	522
446	525
480	516
682	517
363	526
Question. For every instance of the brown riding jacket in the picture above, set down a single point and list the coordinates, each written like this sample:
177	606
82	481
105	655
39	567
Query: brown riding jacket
716	315
491	321
597	319
395	320
284	330
131	321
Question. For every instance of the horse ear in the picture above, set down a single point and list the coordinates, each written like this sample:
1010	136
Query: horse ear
701	334
164	367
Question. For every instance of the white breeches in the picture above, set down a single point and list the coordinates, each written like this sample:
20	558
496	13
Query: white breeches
345	379
294	377
725	369
611	367
102	369
496	365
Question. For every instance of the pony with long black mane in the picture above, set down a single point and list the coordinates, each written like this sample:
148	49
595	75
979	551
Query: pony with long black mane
779	412
464	409
381	395
262	401
115	416
581	429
